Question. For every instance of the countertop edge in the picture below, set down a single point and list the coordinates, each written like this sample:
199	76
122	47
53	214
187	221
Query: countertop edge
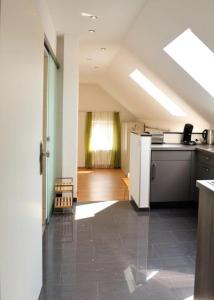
205	185
180	147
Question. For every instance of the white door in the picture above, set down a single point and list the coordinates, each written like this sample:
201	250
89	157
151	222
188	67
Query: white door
21	100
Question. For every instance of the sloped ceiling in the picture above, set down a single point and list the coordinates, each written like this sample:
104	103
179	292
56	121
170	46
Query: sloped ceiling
135	33
157	25
117	82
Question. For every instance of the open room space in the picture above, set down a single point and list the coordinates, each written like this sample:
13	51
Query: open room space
107	157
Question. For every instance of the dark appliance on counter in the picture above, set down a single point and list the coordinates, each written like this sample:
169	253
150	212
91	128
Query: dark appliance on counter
187	134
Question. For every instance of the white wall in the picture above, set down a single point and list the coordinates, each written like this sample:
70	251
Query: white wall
46	22
199	125
21	94
93	98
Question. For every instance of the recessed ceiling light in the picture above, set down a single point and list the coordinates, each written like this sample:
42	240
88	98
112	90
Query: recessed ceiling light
91	30
103	49
84	14
93	17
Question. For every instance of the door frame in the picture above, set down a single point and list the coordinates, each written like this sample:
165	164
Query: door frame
44	138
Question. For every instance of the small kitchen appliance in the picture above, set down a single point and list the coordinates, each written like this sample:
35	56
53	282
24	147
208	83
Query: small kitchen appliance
204	136
157	137
187	134
208	136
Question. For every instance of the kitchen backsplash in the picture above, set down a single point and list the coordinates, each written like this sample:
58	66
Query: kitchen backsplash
177	137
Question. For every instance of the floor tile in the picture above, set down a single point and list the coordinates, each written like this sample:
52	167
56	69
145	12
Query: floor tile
120	254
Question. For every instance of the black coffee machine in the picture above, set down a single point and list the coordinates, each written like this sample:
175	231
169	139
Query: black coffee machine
187	134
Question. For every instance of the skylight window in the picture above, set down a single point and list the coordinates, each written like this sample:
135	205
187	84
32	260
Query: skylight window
194	57
156	93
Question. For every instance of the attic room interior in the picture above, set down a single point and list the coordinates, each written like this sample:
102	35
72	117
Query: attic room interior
107	157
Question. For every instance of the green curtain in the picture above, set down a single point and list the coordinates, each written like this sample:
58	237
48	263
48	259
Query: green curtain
88	154
116	150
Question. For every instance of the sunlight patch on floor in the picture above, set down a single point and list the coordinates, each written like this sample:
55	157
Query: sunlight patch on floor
85	172
90	210
151	275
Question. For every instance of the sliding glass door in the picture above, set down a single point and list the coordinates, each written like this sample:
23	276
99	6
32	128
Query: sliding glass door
50	136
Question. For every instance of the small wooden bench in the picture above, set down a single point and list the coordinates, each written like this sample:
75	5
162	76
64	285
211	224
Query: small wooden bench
63	202
63	188
64	195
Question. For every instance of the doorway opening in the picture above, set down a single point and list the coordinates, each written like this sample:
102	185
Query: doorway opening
101	178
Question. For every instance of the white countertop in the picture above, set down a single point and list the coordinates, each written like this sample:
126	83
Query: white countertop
206	185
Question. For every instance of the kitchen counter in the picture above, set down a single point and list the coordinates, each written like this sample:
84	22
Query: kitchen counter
206	185
204	273
181	147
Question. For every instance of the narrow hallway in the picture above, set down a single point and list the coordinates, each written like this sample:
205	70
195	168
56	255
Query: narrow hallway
108	251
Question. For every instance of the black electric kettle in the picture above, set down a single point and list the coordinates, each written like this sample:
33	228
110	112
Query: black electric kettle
205	135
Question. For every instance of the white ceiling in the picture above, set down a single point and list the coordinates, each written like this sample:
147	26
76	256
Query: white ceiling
114	17
144	27
114	21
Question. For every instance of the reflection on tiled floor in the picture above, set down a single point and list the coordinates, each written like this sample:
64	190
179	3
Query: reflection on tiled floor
108	251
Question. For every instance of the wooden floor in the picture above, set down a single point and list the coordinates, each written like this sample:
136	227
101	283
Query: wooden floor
101	185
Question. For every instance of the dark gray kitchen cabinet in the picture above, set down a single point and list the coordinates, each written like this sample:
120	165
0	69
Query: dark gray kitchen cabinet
205	166
171	176
205	158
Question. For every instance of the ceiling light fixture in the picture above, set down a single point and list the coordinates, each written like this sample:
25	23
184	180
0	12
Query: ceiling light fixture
89	58
156	93
96	67
93	17
91	31
83	14
103	49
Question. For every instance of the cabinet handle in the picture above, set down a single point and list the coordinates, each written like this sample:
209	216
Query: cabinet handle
206	157
153	170
206	169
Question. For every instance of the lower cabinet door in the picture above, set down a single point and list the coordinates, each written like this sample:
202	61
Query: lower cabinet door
170	181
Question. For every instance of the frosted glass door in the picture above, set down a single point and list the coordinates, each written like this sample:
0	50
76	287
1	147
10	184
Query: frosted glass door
51	134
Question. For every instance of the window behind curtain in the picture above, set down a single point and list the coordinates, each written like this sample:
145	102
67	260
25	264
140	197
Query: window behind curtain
102	131
103	138
101	143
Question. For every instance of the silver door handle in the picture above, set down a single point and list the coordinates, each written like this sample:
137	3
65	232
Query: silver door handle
42	154
154	171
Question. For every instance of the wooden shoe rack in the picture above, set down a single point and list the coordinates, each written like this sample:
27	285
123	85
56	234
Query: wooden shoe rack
63	195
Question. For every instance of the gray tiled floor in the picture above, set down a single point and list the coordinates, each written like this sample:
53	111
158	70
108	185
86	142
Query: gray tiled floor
116	253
